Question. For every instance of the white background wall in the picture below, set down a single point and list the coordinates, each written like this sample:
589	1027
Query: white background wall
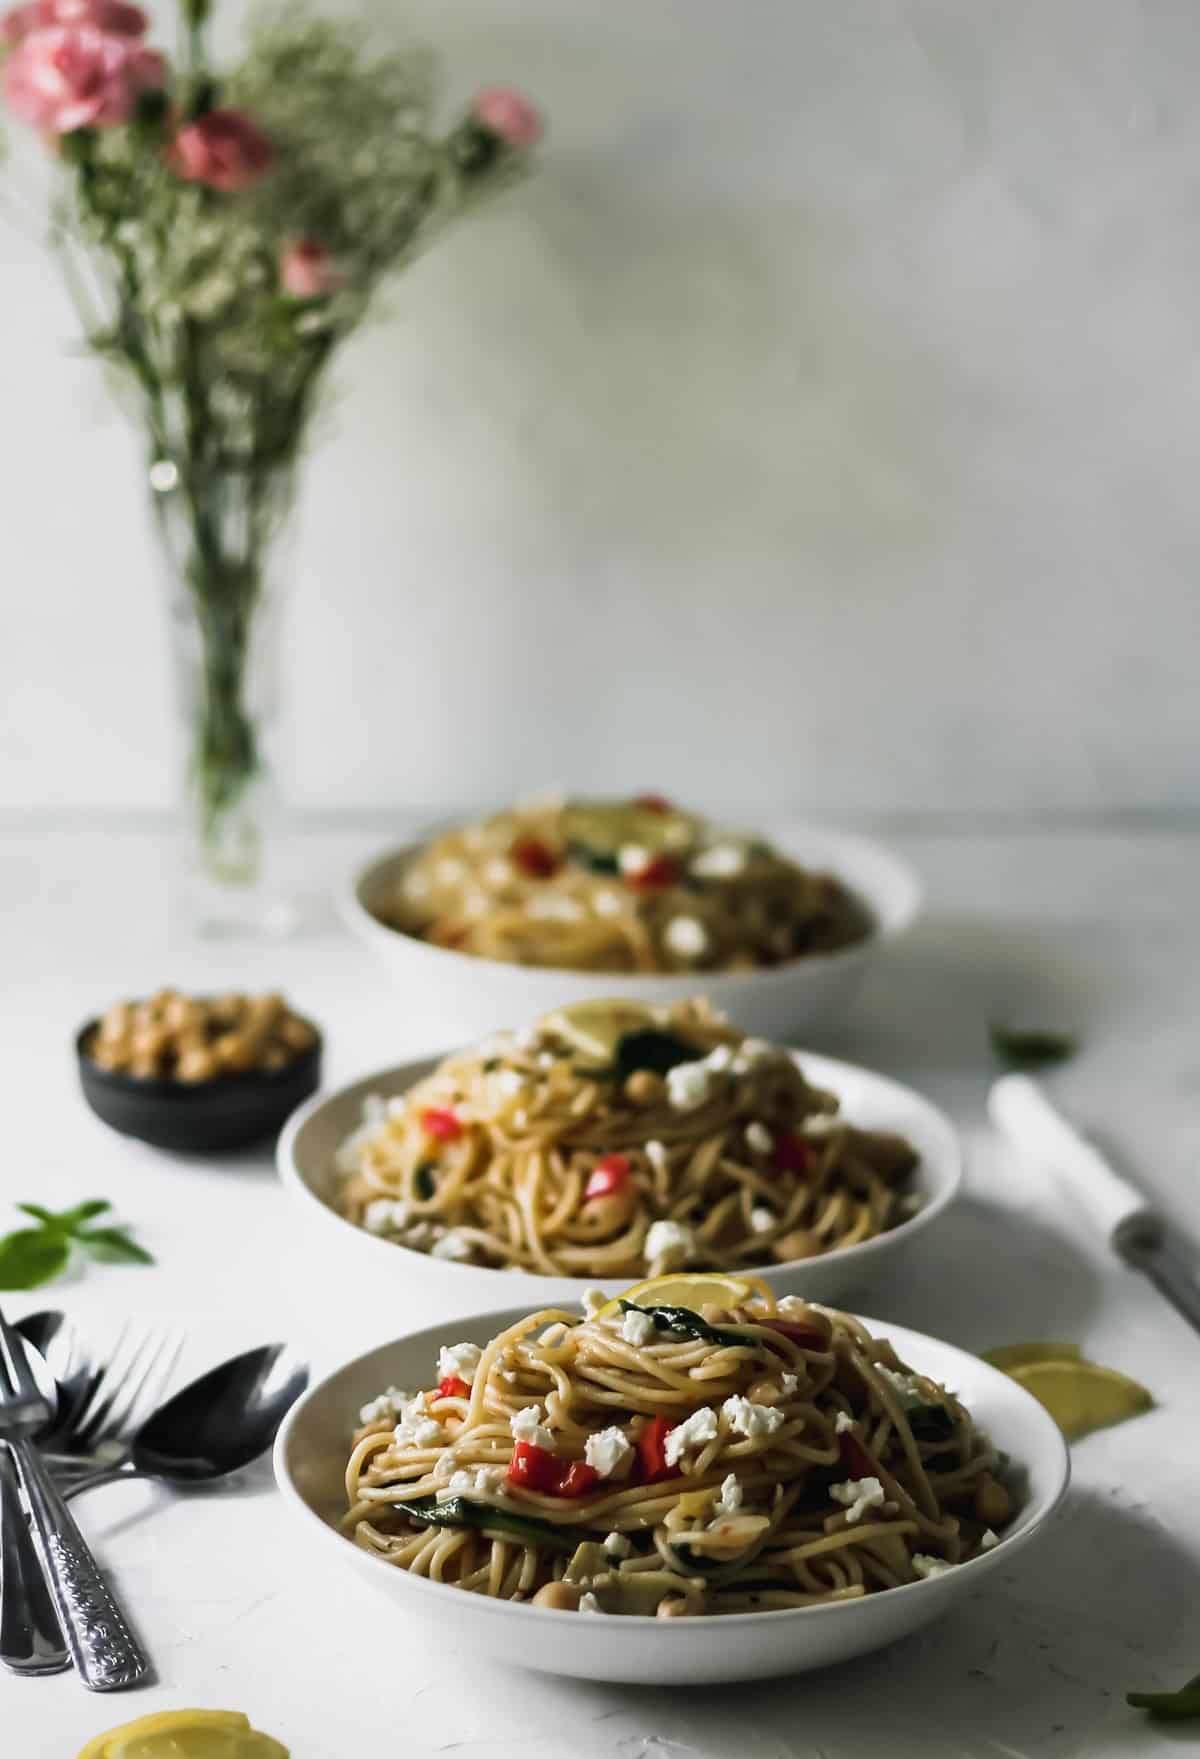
820	428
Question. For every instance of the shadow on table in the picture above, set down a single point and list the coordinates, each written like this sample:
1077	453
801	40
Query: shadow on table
1039	1661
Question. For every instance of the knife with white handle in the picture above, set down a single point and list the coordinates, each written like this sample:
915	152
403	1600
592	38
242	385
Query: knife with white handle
1121	1213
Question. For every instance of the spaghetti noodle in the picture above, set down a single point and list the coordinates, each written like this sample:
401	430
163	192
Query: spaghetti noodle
614	1139
660	1459
634	886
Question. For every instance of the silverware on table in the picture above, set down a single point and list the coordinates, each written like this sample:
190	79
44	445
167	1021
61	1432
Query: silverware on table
1135	1230
106	1654
98	1434
31	1639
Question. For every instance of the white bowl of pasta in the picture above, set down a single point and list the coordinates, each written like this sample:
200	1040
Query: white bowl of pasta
733	1500
509	1158
472	993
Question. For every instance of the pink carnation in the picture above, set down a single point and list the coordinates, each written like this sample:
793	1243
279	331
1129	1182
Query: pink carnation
509	114
222	148
116	17
307	271
74	76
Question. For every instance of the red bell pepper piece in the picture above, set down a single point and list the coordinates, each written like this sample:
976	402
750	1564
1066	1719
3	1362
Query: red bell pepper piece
440	1122
609	1174
535	858
659	871
790	1154
652	1450
808	1337
578	1479
652	802
855	1457
453	1387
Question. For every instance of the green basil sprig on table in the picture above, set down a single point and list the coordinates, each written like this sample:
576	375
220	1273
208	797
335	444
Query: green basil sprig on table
30	1257
1031	1047
1172	1706
457	1511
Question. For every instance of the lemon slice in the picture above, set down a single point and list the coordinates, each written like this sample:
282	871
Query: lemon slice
594	1029
703	1288
185	1734
1082	1396
1010	1356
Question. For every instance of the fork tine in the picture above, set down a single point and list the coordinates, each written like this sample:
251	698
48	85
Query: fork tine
16	1377
124	1416
122	1363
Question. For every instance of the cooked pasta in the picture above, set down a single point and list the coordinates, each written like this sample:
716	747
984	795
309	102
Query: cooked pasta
613	1139
657	1458
620	886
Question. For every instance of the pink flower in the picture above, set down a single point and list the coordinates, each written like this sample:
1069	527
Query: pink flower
306	270
116	17
222	148
509	114
74	76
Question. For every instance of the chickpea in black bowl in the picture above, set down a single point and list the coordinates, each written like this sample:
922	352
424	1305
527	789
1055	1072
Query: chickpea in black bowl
198	1073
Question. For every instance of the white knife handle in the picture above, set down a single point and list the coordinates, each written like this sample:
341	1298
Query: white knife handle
1021	1111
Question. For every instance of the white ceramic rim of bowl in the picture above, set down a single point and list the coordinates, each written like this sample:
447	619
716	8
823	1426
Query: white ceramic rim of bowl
885	882
909	1344
822	1071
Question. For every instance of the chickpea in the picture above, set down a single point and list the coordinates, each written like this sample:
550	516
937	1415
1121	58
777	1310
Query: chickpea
800	1243
562	1596
674	1608
233	1051
183	1014
714	1314
604	1215
196	1065
111	1054
150	1042
766	1392
145	1068
116	1022
275	1057
297	1034
644	1088
993	1505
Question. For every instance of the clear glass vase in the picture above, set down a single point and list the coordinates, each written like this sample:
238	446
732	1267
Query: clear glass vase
222	543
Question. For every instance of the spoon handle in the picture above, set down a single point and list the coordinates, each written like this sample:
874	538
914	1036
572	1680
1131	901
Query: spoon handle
31	1639
106	1654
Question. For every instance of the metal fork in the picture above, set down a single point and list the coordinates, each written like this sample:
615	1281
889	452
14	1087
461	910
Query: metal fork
99	1435
106	1654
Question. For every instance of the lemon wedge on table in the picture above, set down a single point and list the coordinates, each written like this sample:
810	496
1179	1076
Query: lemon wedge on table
1010	1356
1082	1396
185	1734
700	1289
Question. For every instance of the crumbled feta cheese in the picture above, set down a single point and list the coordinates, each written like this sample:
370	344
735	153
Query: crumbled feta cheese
843	1423
481	1479
589	1603
788	1384
905	1386
729	1498
759	1138
476	904
694	1432
668	1244
527	1426
386	1408
508	1083
593	1301
416	1429
554	907
762	1219
453	1245
721	861
857	1495
386	1215
989	1540
637	1328
459	1360
608	903
753	1052
631	858
618	1545
746	1418
546	1059
609	1453
527	1038
686	937
720	1057
416	885
450	870
656	1154
497	872
689	1086
927	1566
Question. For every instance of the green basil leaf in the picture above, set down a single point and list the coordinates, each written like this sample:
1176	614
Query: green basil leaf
1030	1047
46	1217
113	1246
31	1257
686	1324
1171	1706
458	1511
930	1422
71	1219
650	1049
423	1179
595	860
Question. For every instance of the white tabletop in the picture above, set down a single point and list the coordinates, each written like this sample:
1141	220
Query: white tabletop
1096	927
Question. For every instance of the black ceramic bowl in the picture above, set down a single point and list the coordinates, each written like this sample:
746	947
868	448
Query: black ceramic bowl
202	1117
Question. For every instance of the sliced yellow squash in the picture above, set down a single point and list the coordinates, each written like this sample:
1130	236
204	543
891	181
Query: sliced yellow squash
1010	1356
690	1289
1082	1396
